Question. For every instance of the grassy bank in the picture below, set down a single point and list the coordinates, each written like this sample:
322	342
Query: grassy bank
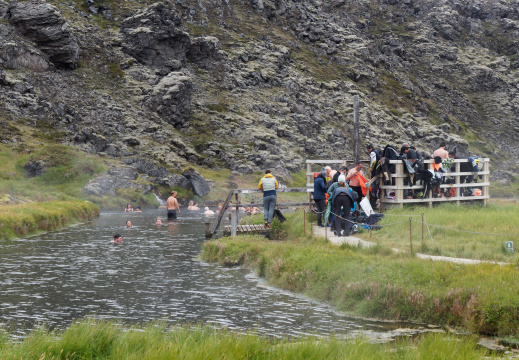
25	219
496	218
105	340
376	282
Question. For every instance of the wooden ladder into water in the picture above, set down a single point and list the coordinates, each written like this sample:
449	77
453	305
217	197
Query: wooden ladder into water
235	227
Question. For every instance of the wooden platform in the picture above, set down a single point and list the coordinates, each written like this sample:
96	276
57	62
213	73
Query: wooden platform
246	229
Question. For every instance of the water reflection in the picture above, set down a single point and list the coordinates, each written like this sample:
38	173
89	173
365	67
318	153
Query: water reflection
57	277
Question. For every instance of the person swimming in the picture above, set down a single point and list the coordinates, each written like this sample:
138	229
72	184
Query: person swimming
128	208
158	222
193	207
128	224
207	211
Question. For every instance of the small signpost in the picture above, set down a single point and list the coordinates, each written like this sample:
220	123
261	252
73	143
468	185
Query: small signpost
510	246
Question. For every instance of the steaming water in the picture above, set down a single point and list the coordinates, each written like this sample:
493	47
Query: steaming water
76	272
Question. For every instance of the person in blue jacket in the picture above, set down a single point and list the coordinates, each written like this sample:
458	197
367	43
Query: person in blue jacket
319	196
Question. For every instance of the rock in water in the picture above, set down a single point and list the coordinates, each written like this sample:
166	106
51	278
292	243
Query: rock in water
154	37
200	185
43	24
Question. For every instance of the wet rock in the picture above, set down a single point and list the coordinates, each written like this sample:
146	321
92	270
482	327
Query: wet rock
154	36
199	184
171	98
43	24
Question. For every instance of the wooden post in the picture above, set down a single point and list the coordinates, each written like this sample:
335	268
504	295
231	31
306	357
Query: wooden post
355	128
309	180
207	228
237	209
233	222
399	182
486	179
326	232
304	222
410	235
457	167
422	230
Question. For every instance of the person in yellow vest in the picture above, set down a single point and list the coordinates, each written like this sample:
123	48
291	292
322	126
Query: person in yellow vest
268	184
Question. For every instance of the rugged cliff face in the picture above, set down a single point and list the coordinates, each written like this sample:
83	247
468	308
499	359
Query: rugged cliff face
252	84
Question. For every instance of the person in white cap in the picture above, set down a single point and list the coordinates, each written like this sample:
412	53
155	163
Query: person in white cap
207	211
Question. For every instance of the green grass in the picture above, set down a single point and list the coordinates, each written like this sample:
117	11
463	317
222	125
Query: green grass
492	219
25	219
68	170
106	340
376	282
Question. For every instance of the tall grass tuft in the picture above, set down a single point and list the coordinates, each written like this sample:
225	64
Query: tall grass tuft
90	339
25	219
377	282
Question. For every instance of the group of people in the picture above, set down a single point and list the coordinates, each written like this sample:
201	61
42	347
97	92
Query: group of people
339	190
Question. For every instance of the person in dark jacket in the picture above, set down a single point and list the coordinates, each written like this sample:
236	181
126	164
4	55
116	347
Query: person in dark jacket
319	195
342	170
342	200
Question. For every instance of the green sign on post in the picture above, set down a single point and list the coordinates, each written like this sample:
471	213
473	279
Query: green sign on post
510	246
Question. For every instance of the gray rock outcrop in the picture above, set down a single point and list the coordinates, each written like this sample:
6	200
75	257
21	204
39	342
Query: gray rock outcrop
44	24
199	184
154	37
171	98
205	51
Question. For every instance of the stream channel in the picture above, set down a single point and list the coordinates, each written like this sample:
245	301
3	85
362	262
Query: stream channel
76	272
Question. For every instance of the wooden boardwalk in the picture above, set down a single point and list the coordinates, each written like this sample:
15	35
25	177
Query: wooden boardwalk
246	229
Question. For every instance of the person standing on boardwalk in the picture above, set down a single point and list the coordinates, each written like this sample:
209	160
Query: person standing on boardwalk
268	184
441	151
319	195
342	200
354	175
172	206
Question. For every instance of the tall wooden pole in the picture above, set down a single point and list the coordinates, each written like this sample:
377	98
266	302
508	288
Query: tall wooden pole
356	155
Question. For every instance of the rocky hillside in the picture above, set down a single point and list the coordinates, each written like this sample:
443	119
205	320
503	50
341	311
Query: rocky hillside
250	84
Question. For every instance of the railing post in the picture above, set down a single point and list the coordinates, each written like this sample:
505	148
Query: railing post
233	223
486	179
399	183
207	222
308	181
410	235
457	167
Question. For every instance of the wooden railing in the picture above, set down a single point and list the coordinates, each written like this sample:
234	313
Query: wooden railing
482	177
235	220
